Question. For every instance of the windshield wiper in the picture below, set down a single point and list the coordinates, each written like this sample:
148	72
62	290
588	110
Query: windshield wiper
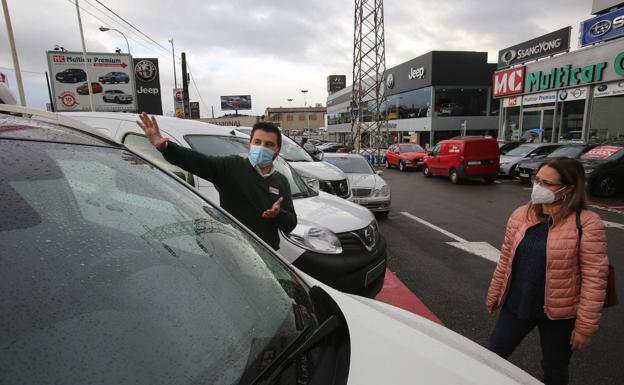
298	347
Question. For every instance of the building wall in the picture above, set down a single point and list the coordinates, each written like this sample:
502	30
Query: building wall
294	119
237	121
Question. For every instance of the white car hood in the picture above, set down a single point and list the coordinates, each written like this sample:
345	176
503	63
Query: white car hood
371	181
318	170
333	213
393	346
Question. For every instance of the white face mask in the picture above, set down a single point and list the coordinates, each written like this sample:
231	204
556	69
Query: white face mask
542	195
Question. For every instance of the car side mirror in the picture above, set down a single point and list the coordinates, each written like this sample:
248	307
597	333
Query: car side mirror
379	172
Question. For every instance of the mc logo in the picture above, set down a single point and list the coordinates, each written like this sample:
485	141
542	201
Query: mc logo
509	82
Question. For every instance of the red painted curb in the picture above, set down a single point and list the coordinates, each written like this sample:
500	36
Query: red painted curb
394	292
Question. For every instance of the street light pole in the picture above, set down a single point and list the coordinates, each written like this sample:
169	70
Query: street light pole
18	72
305	103
289	101
104	29
84	58
175	79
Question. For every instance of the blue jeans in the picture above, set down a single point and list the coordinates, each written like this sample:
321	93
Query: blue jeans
554	338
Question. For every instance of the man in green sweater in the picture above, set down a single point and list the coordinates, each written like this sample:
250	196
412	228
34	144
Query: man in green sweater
249	188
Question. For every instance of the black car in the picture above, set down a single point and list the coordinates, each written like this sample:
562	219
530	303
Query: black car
604	169
527	169
71	75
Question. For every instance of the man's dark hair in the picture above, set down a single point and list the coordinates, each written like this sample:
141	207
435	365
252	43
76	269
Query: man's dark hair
267	127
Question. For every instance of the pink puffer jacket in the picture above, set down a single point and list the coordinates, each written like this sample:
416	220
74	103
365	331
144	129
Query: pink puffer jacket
575	279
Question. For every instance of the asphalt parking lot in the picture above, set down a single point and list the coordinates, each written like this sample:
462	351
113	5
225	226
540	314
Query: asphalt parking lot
442	241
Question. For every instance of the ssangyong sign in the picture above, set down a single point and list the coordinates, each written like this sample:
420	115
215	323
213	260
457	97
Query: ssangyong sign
112	81
550	44
148	86
509	82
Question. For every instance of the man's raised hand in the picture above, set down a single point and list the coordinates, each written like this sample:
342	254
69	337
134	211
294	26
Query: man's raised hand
149	125
273	211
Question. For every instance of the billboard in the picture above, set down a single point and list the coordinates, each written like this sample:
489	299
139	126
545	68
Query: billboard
602	28
194	107
546	45
599	6
178	102
236	102
336	83
147	86
112	81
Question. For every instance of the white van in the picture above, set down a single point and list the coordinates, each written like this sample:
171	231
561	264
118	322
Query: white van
335	241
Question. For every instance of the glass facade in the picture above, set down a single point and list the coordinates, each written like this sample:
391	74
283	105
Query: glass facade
461	101
570	115
511	124
606	119
409	105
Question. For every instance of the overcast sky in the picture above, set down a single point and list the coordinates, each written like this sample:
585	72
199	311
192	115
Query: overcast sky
271	49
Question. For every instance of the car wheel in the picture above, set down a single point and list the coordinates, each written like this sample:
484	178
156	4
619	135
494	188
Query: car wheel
402	166
117	100
606	186
427	172
513	173
388	163
454	176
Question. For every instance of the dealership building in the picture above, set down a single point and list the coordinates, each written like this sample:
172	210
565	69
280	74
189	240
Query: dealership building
430	98
573	96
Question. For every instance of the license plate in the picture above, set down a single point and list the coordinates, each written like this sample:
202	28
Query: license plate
524	175
361	201
375	273
474	162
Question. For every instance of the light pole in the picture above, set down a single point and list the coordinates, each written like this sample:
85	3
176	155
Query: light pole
104	29
175	79
289	101
305	103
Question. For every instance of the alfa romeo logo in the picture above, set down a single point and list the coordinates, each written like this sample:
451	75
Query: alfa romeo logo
600	28
390	81
145	70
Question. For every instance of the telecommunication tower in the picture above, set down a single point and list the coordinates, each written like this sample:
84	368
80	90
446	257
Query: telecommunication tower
369	126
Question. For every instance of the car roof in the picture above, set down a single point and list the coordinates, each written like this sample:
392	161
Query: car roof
342	155
181	126
30	124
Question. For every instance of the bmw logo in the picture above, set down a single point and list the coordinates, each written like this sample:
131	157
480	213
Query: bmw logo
600	28
145	70
602	87
563	95
390	81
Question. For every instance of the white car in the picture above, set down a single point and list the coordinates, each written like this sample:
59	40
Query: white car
117	272
335	240
367	186
509	161
116	96
316	173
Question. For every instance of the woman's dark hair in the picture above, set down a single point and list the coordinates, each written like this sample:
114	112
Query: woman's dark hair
268	127
572	175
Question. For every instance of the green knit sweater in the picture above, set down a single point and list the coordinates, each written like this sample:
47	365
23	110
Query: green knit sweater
242	191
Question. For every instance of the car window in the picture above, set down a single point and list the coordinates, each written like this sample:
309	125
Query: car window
350	164
521	151
292	152
114	273
543	150
141	145
411	148
566	151
436	150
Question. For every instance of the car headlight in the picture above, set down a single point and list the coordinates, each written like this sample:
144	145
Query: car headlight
312	183
589	170
315	238
381	192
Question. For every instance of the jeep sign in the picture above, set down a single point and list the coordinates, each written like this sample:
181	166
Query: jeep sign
509	82
148	86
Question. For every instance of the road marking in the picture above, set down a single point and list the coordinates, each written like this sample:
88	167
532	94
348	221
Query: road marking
481	249
614	225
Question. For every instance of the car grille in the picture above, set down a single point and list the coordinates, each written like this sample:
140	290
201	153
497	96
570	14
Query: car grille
365	238
361	192
336	187
524	170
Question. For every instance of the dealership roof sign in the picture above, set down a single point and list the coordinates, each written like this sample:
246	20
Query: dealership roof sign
547	45
602	28
509	82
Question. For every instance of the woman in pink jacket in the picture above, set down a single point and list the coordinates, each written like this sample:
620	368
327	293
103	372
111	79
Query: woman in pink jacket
548	275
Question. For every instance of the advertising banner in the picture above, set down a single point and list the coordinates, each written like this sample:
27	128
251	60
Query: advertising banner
194	107
236	102
609	89
178	102
336	83
573	94
547	45
148	86
602	28
112	81
546	97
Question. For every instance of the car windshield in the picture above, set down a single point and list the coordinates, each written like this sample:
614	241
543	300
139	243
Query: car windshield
605	153
350	164
292	152
228	145
567	151
411	148
114	272
523	150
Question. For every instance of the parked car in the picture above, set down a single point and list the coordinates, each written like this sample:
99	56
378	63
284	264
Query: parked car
335	241
463	159
505	147
451	109
6	95
115	271
331	147
604	169
71	75
526	169
117	96
114	77
367	186
509	162
84	89
405	156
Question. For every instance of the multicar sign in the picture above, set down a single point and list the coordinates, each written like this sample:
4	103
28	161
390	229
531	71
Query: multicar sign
602	28
550	44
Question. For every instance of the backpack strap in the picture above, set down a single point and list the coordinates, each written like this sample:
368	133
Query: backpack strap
579	227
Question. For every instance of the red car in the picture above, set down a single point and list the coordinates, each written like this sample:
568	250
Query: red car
84	89
464	158
405	156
